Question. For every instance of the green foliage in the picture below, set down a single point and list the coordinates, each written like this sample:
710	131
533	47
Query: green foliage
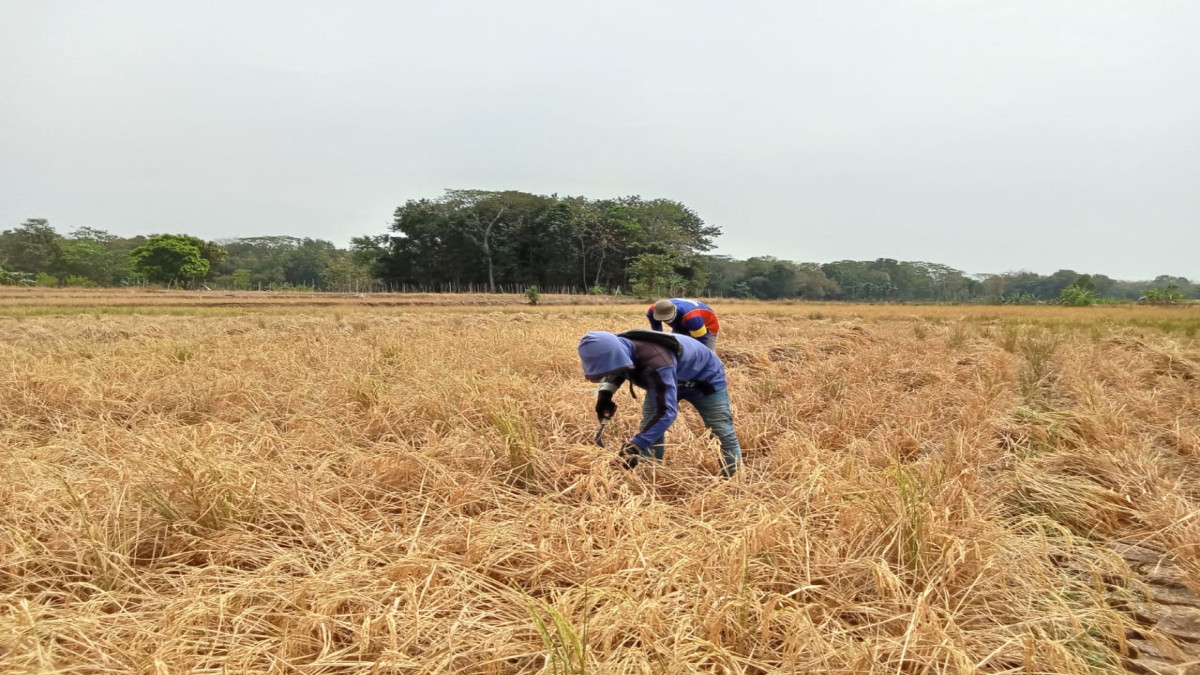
291	262
654	275
1163	296
518	238
1078	295
511	239
533	295
1084	281
95	255
307	263
43	280
85	259
1049	288
993	288
344	273
210	252
566	647
1020	299
8	278
75	281
240	280
171	258
31	247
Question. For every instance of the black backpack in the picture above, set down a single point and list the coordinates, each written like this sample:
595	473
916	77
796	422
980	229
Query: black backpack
655	337
672	343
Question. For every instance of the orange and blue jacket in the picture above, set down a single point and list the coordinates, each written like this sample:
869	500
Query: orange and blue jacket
692	317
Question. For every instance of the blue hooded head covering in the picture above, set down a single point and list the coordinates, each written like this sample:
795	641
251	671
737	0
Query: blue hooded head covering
603	354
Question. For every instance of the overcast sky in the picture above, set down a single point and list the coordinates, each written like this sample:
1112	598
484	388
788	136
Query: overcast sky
989	136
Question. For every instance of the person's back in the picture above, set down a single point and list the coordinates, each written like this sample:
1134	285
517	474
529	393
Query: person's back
699	364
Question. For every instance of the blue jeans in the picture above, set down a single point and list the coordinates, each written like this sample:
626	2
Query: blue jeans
718	418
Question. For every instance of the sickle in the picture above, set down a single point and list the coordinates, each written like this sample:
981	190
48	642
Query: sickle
600	432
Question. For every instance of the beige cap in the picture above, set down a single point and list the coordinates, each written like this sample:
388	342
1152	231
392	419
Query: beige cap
664	310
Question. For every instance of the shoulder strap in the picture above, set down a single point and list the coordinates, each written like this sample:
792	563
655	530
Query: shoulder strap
655	337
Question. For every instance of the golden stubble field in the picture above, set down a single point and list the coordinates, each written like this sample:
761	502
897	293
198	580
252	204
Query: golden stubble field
400	490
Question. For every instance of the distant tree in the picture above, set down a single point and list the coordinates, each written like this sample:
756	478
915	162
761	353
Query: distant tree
171	258
518	238
1163	296
33	246
769	278
211	252
1081	292
305	264
265	258
849	275
1022	284
240	279
812	284
654	276
1181	284
609	233
1104	286
366	251
483	217
942	283
994	287
724	273
1053	285
88	260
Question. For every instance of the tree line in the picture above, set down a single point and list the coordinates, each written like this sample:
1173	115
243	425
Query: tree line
510	240
887	280
33	253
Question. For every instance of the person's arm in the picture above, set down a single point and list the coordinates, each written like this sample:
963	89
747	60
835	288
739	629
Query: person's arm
663	394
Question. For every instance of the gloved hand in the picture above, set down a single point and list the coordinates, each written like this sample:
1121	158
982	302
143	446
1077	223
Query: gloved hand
630	454
605	408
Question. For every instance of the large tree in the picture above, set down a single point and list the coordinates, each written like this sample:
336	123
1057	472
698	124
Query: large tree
510	237
95	255
32	247
491	221
171	258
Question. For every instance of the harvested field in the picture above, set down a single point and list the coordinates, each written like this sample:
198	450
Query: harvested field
413	488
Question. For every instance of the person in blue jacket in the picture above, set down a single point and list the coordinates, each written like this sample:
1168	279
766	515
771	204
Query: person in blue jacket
670	368
686	317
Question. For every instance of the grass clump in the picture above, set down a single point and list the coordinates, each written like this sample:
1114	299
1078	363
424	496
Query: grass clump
1037	347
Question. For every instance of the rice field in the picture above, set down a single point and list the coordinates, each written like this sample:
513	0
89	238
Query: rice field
381	487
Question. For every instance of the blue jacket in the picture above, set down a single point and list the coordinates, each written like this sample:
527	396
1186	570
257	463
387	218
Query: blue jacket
692	317
665	377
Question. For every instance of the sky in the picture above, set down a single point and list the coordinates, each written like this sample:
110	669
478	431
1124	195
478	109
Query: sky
988	136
